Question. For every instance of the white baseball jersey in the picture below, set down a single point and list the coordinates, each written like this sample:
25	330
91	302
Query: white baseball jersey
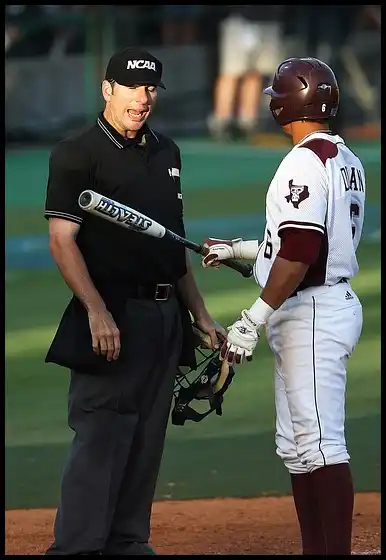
319	185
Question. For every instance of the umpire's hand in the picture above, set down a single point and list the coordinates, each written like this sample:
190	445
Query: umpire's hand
104	333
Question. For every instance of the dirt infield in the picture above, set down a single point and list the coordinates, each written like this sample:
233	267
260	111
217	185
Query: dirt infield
220	526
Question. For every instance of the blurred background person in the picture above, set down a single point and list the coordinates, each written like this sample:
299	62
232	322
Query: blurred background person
43	30
360	56
372	13
16	28
218	58
13	25
65	24
250	48
13	33
329	32
180	24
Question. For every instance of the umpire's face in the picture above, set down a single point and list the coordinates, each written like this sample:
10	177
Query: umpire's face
129	106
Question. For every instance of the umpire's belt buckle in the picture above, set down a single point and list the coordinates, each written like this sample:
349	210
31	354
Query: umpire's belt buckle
163	292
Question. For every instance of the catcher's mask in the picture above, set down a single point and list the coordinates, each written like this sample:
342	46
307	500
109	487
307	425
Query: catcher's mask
205	384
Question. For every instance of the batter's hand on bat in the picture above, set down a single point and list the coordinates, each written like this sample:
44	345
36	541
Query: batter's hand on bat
241	341
217	250
104	333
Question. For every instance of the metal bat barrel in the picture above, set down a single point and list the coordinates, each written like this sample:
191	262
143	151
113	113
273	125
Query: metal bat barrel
86	200
120	214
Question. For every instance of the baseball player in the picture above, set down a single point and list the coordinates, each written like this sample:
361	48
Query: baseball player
311	314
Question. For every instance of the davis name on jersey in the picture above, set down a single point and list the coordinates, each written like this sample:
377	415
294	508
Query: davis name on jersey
319	185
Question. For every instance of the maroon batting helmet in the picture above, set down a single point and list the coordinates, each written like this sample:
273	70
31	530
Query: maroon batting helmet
303	89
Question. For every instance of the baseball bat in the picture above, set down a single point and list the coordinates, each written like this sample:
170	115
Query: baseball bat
224	372
118	213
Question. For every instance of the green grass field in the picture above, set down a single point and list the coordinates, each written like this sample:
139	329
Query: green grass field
216	181
232	455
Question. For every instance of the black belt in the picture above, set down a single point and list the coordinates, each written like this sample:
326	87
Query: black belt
157	292
296	292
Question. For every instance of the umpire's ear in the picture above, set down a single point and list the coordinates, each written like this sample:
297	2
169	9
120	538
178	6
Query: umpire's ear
107	90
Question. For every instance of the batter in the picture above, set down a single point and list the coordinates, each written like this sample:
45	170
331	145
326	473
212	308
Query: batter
312	316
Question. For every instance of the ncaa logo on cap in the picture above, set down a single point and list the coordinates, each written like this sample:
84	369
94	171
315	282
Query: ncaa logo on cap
133	67
140	64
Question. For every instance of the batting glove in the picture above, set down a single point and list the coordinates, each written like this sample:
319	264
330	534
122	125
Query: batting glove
222	249
241	340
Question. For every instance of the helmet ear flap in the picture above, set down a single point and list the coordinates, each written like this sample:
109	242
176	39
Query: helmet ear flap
322	91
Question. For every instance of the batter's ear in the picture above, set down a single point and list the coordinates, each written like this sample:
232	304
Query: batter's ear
107	90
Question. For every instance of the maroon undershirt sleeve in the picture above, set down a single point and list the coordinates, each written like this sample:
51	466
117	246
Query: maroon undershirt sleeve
300	245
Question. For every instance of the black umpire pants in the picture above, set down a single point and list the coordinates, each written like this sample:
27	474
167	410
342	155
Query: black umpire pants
119	421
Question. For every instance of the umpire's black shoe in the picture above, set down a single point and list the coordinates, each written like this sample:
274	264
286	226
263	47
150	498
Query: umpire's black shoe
132	549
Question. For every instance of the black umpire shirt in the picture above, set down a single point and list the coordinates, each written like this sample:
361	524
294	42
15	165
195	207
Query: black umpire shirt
143	173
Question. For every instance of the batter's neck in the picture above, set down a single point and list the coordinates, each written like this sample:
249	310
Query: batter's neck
301	129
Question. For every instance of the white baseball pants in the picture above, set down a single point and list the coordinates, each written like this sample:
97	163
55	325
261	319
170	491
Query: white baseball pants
311	336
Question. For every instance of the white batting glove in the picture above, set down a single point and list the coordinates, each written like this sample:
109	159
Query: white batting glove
241	340
222	249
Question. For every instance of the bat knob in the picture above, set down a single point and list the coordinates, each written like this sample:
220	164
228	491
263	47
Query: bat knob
248	272
85	199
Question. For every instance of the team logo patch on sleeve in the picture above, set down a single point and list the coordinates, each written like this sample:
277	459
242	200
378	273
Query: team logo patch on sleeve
174	172
297	194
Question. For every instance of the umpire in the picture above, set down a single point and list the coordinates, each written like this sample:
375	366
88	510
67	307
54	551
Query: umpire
127	326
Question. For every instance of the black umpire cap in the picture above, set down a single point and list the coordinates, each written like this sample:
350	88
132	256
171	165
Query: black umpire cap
135	66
